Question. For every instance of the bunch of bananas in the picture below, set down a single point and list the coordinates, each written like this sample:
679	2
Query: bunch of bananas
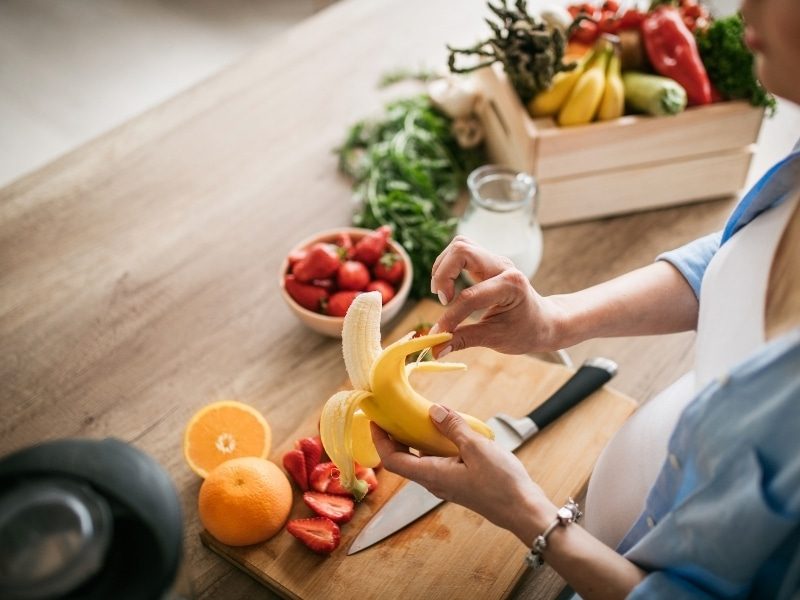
382	394
592	90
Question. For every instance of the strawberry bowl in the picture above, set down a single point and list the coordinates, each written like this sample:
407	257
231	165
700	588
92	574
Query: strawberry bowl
321	275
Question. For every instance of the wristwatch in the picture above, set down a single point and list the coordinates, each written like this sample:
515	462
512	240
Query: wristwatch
566	515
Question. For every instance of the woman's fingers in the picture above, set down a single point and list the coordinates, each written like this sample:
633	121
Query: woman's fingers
463	255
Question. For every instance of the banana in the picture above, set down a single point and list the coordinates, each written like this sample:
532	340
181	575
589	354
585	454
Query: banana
383	394
613	103
583	101
550	101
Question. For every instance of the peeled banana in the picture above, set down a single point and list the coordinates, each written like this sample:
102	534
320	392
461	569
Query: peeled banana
383	394
584	100
612	104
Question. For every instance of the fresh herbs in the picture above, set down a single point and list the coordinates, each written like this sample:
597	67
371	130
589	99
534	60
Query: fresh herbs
730	63
531	51
408	169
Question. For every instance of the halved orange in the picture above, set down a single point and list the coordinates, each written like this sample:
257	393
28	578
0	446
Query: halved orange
222	431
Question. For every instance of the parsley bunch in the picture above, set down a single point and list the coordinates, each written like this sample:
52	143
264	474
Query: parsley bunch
730	63
408	169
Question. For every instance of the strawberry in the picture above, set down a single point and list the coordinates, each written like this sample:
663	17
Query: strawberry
308	296
345	244
325	478
368	476
337	508
295	257
352	275
322	262
294	461
390	268
339	302
318	533
385	288
370	248
311	447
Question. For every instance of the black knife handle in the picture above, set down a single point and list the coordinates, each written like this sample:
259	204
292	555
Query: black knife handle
592	375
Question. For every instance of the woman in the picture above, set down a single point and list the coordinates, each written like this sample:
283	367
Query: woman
699	494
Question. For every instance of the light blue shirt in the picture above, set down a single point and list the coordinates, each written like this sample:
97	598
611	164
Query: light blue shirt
723	517
770	191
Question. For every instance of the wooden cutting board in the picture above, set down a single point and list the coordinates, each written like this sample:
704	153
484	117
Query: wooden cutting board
451	552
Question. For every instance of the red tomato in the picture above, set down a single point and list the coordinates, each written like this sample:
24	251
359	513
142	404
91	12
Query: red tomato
352	275
390	268
586	33
339	303
386	290
608	24
631	19
611	6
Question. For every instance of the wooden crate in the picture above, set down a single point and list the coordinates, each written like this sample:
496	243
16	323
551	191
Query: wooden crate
626	165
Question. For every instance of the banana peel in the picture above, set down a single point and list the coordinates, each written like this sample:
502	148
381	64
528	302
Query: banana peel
383	394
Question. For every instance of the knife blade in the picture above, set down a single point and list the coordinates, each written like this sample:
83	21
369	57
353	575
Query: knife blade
413	501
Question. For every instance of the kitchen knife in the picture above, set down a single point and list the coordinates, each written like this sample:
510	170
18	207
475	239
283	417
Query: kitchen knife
412	500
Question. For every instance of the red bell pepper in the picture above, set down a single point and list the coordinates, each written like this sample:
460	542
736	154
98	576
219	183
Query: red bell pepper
673	53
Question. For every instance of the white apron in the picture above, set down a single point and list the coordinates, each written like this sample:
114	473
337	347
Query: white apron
730	327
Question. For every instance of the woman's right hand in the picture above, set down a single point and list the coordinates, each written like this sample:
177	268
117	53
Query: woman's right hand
516	318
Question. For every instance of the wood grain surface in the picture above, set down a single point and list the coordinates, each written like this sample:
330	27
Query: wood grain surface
137	274
452	552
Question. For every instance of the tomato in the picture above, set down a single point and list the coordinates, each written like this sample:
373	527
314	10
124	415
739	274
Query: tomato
386	290
608	24
610	5
352	275
631	19
586	33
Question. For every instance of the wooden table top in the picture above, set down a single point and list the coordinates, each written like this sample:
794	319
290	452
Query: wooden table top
138	274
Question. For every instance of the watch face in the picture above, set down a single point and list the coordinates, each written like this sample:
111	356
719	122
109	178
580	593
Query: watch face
564	513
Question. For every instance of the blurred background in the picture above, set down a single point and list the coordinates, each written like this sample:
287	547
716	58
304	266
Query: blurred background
72	69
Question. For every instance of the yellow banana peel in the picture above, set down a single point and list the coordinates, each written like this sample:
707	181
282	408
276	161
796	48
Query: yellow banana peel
612	105
584	100
550	101
383	394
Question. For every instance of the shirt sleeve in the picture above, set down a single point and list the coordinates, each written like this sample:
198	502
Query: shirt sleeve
661	585
692	259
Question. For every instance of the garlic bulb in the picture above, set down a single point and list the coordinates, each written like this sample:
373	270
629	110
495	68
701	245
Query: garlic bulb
468	131
454	96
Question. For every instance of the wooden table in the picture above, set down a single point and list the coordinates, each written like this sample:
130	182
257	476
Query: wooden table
138	274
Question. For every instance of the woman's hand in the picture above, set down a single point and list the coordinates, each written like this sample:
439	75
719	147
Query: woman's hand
484	477
516	319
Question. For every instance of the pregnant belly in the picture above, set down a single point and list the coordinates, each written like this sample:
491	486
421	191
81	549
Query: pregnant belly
627	468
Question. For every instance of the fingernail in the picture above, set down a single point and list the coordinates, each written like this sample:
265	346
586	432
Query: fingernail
442	297
433	286
438	413
445	351
434	329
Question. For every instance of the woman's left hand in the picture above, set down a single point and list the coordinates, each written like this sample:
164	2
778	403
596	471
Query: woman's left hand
485	477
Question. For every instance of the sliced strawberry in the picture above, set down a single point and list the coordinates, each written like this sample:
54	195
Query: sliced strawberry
318	533
337	508
368	476
325	478
294	461
311	447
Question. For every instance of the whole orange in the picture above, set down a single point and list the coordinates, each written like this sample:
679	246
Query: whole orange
244	501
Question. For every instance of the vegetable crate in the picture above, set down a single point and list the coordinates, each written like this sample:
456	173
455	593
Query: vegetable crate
630	164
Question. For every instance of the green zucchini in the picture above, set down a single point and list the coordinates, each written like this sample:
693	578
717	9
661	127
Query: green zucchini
653	94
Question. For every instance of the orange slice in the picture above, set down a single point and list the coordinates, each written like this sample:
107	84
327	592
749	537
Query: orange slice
222	431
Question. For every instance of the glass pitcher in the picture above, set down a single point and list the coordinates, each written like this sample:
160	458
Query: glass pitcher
501	216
